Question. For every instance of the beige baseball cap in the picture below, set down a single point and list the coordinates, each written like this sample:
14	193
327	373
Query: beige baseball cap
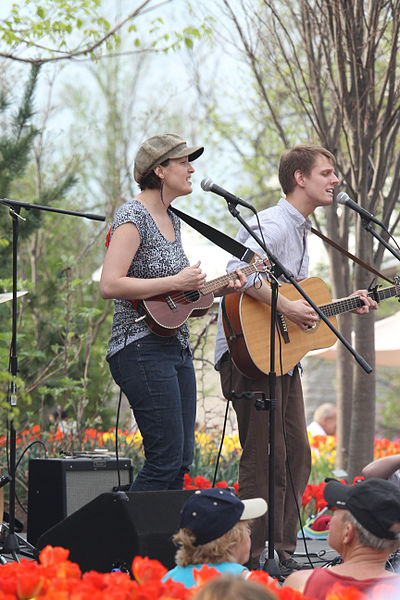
157	149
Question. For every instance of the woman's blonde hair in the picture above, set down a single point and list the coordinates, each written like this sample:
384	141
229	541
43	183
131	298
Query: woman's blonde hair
216	551
233	588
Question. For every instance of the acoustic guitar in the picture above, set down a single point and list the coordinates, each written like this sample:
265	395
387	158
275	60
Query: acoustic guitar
166	313
248	323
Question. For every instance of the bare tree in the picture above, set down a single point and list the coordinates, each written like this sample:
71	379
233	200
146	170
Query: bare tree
327	71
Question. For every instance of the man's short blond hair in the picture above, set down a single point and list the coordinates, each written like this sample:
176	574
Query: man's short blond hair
324	410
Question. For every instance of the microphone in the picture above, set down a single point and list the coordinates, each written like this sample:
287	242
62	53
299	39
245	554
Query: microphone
343	198
209	186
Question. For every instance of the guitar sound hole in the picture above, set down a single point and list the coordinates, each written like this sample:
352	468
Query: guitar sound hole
313	328
192	296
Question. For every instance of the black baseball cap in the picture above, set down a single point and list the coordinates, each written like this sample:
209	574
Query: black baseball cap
211	512
375	503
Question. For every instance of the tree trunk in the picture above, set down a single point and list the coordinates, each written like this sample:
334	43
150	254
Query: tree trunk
340	274
344	394
363	414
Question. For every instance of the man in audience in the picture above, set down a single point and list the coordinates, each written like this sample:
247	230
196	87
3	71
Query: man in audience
324	420
364	530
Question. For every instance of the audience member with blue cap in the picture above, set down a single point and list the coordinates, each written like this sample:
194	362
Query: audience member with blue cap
214	529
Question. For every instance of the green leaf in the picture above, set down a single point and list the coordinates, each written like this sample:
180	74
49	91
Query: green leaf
40	12
189	42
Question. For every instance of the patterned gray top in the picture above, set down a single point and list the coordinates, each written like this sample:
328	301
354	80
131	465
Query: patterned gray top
155	257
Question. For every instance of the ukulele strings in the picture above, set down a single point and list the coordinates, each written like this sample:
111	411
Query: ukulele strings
193	295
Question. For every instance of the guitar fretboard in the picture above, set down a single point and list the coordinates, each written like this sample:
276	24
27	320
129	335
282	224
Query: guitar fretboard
347	304
215	284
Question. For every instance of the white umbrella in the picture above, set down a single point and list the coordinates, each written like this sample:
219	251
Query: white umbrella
8	296
387	343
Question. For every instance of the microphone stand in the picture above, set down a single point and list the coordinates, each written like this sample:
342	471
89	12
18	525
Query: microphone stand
270	565
11	542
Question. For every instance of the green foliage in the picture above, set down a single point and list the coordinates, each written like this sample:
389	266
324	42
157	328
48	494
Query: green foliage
55	20
58	361
16	142
59	358
12	389
55	30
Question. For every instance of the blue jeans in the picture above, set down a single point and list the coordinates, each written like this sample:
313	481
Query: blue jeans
157	376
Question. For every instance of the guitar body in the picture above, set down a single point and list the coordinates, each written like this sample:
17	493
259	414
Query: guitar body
168	312
251	320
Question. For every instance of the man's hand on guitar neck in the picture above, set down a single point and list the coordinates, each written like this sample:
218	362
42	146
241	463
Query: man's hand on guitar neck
233	285
369	303
299	311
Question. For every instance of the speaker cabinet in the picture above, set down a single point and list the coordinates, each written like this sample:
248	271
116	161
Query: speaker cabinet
113	528
59	487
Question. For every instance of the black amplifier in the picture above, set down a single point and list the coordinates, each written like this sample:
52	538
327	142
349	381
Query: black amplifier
61	486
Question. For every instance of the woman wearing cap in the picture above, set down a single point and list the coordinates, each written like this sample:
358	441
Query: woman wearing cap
214	529
145	258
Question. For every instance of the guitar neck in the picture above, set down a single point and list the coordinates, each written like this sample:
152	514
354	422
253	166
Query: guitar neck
339	307
216	284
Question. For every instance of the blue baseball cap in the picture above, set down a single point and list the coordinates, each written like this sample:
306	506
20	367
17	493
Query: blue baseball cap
210	513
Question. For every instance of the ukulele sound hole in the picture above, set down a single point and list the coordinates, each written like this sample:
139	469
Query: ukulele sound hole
192	296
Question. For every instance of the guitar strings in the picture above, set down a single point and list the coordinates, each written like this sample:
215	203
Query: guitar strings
193	295
329	309
341	306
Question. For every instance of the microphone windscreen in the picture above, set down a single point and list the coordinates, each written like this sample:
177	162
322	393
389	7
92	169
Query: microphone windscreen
206	184
342	198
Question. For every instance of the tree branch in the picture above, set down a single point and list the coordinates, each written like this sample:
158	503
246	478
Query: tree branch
88	49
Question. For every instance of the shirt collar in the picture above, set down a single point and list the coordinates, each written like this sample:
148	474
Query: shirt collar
295	215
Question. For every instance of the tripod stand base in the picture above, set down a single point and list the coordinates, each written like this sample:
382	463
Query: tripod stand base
272	568
13	544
